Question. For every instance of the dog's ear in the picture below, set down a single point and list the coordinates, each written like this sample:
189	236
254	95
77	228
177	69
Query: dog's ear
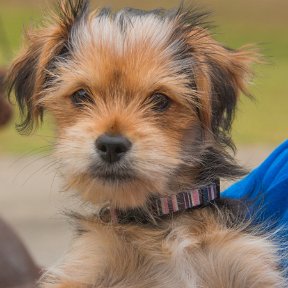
230	73
30	73
223	75
219	74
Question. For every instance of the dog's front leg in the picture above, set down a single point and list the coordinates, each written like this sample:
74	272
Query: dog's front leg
85	261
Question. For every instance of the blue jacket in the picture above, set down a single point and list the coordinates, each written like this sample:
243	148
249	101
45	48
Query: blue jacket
267	188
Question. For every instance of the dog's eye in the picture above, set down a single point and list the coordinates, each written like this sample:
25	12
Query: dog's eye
80	97
160	102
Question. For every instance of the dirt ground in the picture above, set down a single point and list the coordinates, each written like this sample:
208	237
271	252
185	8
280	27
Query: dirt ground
32	202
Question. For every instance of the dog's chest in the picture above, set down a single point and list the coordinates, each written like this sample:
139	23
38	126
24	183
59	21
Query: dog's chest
146	260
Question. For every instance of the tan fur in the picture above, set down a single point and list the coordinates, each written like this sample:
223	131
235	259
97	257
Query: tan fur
121	68
194	250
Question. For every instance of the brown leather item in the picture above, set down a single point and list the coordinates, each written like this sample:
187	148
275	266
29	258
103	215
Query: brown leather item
17	269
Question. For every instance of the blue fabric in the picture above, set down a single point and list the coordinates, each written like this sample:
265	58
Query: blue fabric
267	188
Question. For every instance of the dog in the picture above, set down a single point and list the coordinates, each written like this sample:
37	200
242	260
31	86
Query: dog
143	103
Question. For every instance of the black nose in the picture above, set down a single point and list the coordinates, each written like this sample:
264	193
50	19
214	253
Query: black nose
112	148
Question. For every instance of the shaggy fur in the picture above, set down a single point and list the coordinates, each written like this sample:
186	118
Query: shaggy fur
122	61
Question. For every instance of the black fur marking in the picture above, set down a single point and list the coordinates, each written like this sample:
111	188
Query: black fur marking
73	11
191	17
22	80
105	12
124	20
220	164
64	53
137	12
236	213
124	16
224	100
122	23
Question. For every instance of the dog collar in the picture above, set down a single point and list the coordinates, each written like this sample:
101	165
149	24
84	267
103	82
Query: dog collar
164	205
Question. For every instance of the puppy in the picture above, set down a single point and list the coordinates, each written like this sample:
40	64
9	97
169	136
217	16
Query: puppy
143	103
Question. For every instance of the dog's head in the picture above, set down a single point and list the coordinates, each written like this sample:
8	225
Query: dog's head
143	101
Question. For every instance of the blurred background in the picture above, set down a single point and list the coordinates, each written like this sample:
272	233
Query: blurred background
30	188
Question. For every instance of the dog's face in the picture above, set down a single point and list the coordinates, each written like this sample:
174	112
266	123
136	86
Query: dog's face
143	101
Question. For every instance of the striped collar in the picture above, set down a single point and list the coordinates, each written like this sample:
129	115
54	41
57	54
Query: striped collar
164	205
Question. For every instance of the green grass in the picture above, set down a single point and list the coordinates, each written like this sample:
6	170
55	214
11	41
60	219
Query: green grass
263	121
39	142
13	20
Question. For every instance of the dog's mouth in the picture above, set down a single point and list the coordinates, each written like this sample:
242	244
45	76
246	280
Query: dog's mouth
112	174
114	177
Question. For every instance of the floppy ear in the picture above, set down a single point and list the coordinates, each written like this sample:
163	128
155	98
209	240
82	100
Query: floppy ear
230	73
224	74
30	73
